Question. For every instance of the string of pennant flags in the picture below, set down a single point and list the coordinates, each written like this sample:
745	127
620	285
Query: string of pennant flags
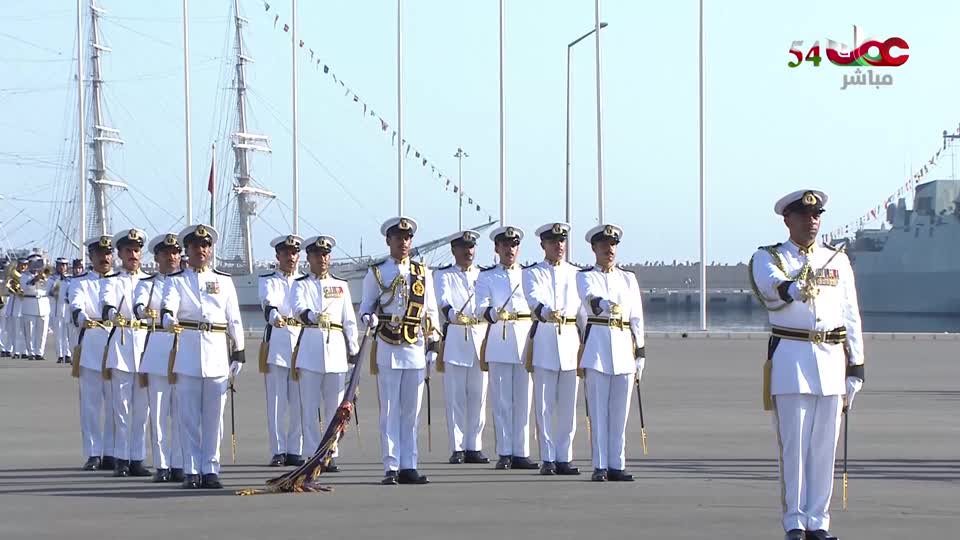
410	152
879	211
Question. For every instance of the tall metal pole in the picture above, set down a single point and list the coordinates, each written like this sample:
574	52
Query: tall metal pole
82	125
186	107
567	216
399	109
703	207
503	183
296	170
460	155
600	194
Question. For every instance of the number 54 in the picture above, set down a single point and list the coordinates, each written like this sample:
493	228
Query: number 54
813	55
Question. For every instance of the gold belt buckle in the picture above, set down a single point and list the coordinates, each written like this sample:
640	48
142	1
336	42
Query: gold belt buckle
323	321
204	327
818	337
504	315
463	319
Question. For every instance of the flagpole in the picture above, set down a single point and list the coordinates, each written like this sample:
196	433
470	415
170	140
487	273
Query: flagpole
503	183
399	111
213	198
296	169
703	208
186	106
600	194
82	230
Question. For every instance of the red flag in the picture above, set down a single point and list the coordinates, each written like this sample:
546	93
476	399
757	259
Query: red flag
210	181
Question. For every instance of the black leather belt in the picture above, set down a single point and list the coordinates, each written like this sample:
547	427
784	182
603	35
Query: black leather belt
833	337
203	326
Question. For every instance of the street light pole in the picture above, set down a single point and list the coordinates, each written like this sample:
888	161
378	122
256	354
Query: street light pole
567	161
460	155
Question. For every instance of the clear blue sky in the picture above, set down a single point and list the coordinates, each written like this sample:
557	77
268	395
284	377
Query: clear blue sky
769	129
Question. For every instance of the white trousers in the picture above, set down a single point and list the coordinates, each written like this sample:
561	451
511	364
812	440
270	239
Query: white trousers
164	423
465	393
320	396
22	343
555	393
62	333
284	429
96	413
608	399
511	391
808	427
130	408
201	402
401	391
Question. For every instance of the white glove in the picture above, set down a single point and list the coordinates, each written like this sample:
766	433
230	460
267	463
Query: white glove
169	321
431	358
313	317
275	317
235	368
641	363
604	305
370	319
111	314
82	319
546	313
854	385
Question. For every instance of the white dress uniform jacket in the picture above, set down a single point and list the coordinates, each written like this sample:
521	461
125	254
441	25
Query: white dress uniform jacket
275	294
611	349
35	301
456	294
553	287
323	304
85	309
117	295
147	300
206	297
501	287
805	367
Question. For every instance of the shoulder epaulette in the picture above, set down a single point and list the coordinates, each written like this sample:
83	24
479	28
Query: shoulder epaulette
835	248
148	278
301	278
381	263
268	274
772	246
444	267
114	274
334	276
585	269
84	274
177	273
525	266
489	268
219	273
582	267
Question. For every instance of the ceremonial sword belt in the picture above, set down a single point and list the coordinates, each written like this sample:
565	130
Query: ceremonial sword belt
323	322
464	320
561	320
833	337
97	323
617	322
201	326
511	316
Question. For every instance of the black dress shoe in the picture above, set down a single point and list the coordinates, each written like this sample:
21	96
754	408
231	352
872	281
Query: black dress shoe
794	534
331	466
176	475
599	475
211	481
92	464
121	469
565	468
162	475
476	457
390	478
411	476
4	354
59	359
191	481
504	463
548	468
278	460
456	458
293	460
523	463
16	356
108	463
619	475
137	469
820	534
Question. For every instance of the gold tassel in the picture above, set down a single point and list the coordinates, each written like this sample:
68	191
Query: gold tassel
171	376
441	366
529	361
484	366
374	370
767	398
580	372
107	375
144	379
294	372
262	357
75	362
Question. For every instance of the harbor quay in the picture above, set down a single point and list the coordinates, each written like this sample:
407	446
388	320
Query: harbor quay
711	469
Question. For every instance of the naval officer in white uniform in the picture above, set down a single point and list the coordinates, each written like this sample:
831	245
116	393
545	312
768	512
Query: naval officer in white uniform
35	307
815	358
613	354
200	304
323	305
124	350
400	303
550	287
464	383
164	419
284	427
501	303
96	393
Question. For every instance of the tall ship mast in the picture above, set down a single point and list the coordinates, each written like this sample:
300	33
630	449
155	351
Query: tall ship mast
236	256
103	134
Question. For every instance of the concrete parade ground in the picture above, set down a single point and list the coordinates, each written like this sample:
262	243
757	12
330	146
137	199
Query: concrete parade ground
711	471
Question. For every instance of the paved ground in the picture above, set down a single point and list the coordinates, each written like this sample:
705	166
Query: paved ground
711	471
